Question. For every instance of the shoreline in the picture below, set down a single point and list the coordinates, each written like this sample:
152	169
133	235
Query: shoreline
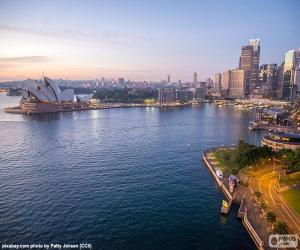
242	211
18	110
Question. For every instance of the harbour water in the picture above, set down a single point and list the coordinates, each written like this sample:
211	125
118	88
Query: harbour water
118	179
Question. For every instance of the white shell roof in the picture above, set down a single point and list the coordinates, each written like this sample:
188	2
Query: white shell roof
49	91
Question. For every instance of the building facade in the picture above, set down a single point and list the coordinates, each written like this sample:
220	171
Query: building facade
218	83
237	83
268	80
166	95
249	62
195	77
281	140
246	62
225	81
255	43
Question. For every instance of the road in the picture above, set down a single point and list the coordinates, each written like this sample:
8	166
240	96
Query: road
266	181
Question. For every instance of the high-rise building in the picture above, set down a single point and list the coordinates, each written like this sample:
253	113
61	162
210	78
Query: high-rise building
249	62
268	79
237	83
246	62
225	81
195	77
218	82
280	71
255	43
209	82
168	78
290	74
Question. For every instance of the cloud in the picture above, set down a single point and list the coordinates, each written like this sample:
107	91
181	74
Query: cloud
24	59
107	37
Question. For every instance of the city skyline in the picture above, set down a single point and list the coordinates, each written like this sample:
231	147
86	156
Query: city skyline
139	40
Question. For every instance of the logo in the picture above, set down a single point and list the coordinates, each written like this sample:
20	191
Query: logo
283	240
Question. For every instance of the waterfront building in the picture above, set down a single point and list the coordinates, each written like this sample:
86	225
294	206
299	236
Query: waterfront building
184	95
218	82
281	140
195	77
225	81
237	83
46	96
166	95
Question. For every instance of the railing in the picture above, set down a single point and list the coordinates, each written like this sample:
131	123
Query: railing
220	183
240	213
258	242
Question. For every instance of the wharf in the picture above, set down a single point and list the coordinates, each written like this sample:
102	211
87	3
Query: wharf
18	110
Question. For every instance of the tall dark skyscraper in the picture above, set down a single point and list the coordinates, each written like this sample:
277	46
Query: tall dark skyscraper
268	79
255	43
246	62
249	62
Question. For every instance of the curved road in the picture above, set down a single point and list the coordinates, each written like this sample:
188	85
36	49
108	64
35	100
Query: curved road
266	181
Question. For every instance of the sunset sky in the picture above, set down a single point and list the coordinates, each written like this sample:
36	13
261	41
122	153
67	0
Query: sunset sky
140	40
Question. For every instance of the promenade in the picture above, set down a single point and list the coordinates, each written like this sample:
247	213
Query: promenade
251	215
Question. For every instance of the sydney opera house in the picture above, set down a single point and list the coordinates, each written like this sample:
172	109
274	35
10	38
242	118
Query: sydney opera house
46	96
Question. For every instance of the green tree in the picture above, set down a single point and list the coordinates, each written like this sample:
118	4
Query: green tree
271	217
258	194
263	205
281	228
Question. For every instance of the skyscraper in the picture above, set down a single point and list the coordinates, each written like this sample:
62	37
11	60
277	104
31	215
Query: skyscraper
218	79
255	43
225	81
195	77
290	74
237	83
280	71
268	79
168	78
249	61
246	63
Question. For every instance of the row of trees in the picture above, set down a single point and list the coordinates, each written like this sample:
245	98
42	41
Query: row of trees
290	159
279	227
125	95
250	155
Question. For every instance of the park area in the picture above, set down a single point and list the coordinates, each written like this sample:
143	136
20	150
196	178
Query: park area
293	199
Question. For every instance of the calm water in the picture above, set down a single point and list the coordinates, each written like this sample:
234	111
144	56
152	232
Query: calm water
118	179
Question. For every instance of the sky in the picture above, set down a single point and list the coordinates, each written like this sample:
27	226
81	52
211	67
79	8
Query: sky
140	40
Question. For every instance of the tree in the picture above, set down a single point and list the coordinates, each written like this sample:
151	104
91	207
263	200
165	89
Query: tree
264	205
281	228
271	217
258	194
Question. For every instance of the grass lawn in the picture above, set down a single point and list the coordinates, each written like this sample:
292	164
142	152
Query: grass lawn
226	159
291	179
293	199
